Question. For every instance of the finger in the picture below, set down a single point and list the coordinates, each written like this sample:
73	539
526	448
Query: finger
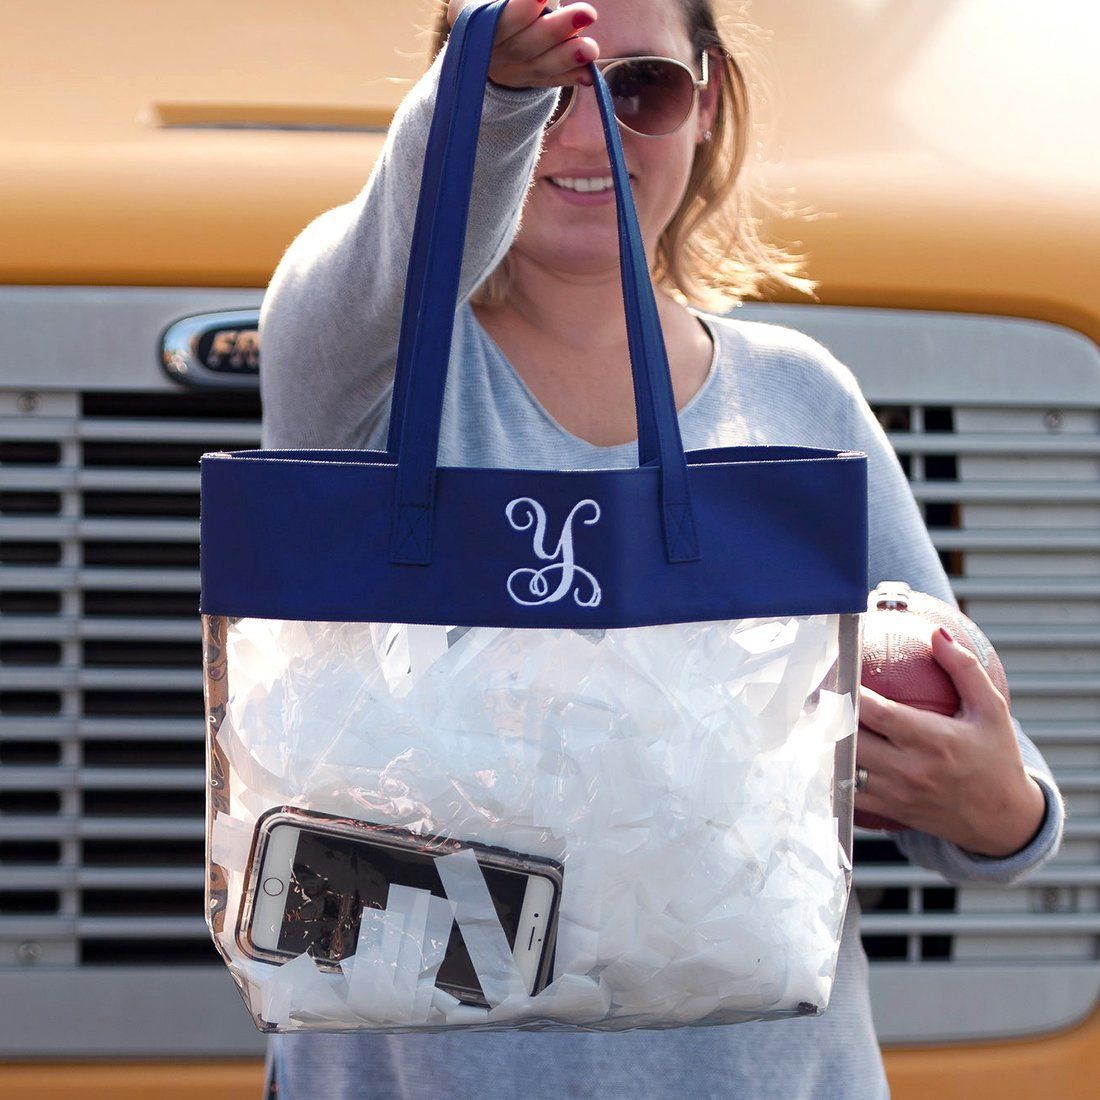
876	753
574	53
534	41
580	75
531	39
876	813
902	724
516	15
972	682
454	8
521	18
879	799
566	63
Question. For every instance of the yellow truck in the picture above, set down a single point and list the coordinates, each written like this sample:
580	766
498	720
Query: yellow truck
155	160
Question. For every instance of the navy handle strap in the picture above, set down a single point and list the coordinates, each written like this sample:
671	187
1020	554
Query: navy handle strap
428	204
431	297
648	357
431	289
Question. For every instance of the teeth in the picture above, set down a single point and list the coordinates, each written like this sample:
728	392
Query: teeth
584	184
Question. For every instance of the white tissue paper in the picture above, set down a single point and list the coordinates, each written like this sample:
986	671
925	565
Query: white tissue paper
689	780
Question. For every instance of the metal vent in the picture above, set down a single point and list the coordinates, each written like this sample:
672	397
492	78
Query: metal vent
1015	522
101	792
997	425
1019	487
101	772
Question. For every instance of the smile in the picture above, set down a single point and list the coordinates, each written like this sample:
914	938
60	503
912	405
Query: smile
582	184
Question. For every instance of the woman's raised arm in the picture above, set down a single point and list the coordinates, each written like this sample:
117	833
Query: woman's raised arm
330	318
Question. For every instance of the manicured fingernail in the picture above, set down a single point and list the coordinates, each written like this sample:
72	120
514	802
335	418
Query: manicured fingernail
946	633
582	19
581	59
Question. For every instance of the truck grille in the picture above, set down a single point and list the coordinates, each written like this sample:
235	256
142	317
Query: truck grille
1011	497
101	792
101	708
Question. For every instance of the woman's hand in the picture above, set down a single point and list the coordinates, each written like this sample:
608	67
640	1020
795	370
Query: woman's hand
532	50
960	778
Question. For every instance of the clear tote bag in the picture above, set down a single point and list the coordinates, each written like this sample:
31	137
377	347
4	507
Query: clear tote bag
507	748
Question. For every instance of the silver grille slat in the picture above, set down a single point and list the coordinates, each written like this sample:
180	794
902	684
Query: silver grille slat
70	626
125	430
1042	635
59	478
92	729
58	679
91	779
62	527
906	875
980	924
1049	540
72	577
1083	733
1055	683
1027	588
145	878
121	430
136	929
72	827
995	443
1011	492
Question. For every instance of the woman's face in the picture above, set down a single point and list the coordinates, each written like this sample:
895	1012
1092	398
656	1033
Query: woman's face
574	234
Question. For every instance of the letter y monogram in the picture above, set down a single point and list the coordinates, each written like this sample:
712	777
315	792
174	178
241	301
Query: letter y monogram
532	587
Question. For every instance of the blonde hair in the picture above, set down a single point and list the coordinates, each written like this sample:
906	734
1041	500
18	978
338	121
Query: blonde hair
711	254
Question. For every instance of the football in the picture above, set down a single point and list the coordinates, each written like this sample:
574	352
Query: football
898	661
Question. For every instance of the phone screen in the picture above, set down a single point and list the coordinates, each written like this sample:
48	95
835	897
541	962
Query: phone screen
333	878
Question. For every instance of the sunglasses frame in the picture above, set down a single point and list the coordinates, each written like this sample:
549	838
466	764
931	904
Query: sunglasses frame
606	63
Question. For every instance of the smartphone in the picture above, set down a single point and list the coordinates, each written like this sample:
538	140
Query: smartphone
311	875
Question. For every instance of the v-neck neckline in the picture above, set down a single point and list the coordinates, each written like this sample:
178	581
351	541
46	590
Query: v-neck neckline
598	448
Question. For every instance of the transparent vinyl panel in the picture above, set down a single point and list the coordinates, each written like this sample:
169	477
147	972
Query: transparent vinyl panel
425	827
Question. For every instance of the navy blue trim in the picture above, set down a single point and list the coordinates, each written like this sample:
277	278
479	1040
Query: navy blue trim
304	534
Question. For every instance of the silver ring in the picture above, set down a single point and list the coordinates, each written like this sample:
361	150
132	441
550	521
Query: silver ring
862	776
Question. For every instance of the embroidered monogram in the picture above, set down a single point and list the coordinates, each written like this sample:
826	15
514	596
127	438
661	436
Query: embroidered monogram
531	587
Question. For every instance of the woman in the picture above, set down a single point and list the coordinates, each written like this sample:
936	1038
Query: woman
540	376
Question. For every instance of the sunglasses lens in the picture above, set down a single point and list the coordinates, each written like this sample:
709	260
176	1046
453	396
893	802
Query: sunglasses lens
651	96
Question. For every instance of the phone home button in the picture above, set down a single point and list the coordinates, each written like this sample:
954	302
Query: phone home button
273	887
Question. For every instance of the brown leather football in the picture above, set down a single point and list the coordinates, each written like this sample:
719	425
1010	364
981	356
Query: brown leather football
898	661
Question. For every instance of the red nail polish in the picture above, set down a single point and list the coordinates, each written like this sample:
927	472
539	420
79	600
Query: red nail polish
581	59
582	19
946	633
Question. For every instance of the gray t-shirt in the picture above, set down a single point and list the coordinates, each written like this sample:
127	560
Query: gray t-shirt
329	328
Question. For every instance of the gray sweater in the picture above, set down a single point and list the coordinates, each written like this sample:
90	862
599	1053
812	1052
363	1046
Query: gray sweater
329	327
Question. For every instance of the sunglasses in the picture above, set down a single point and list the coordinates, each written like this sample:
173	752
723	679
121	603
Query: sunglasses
652	96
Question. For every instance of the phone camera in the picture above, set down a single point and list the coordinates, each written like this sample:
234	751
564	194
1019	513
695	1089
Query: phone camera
273	886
